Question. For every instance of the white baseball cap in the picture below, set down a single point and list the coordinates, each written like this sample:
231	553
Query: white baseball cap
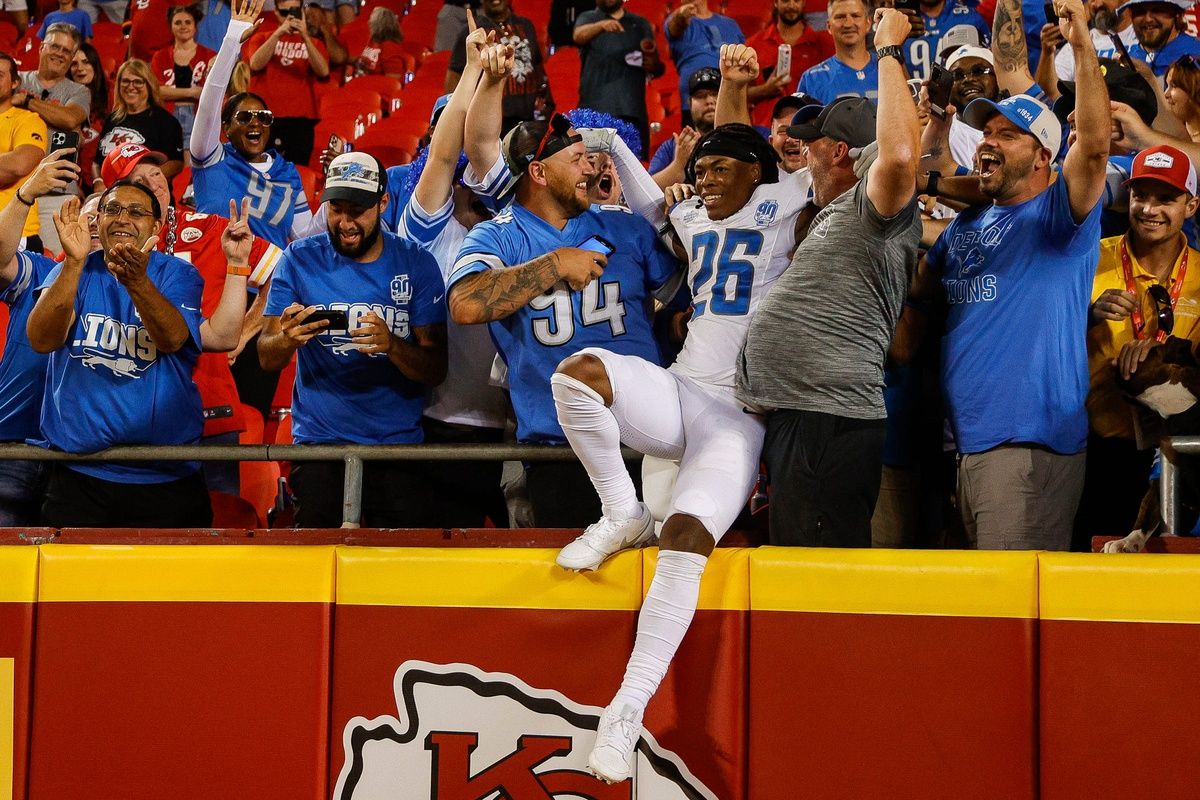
969	51
356	177
1027	113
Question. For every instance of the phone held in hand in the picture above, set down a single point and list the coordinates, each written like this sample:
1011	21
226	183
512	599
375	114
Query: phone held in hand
1051	14
62	139
338	321
783	62
338	145
941	82
598	244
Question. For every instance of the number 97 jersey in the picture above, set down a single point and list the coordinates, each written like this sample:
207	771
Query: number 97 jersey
732	264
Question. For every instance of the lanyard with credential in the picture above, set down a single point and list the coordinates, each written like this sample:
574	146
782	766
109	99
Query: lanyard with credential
1139	324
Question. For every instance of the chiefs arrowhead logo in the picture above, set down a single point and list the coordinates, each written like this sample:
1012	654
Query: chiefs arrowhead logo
465	734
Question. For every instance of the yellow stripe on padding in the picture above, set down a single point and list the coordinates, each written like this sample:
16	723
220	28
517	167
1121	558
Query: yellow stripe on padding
952	583
8	728
725	585
187	573
18	574
483	578
1120	587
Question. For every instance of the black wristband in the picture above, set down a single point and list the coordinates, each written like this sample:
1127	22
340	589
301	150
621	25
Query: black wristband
22	200
890	51
931	187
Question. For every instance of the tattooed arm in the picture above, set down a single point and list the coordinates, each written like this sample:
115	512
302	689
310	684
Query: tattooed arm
1009	49
501	291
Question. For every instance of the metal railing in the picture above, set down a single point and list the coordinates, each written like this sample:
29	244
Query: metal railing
354	456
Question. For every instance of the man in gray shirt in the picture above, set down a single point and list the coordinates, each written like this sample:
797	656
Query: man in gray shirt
617	51
815	352
62	103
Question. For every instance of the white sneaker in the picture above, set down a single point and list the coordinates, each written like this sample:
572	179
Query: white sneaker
617	735
604	538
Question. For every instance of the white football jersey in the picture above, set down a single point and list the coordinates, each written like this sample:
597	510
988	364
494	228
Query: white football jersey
732	264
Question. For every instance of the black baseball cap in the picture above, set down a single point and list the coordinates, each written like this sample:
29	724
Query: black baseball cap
1125	85
847	119
793	103
704	78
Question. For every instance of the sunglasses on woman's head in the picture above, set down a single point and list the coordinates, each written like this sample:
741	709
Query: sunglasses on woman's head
263	115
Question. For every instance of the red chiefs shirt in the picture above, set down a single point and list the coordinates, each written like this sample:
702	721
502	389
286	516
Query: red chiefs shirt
286	83
810	49
163	66
149	32
381	59
198	241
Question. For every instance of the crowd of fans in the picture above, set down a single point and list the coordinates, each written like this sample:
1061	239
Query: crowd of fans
944	363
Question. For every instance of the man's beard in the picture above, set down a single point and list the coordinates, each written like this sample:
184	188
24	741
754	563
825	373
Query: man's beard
568	200
1105	20
365	243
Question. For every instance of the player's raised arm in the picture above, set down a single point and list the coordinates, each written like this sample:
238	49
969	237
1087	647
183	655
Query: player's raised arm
739	68
481	138
206	132
1084	167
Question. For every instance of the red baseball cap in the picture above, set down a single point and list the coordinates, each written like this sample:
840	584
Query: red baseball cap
1167	165
121	161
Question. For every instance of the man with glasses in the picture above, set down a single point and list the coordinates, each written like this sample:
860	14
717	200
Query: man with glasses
1161	33
1147	287
62	103
1016	275
122	327
552	275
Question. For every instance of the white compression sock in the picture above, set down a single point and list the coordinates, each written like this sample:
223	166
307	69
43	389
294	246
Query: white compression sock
595	437
664	619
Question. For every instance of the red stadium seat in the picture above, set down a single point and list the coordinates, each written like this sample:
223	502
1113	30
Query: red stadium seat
344	128
389	146
562	70
354	36
351	95
389	88
260	482
230	511
420	23
309	179
254	425
25	51
8	36
654	10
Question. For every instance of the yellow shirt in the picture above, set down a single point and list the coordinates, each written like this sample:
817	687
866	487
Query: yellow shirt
1109	413
19	127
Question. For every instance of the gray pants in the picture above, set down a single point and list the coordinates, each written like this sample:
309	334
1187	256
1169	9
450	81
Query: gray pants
1018	497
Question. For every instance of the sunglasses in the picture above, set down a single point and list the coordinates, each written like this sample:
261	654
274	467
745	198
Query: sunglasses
295	13
555	139
136	213
1162	307
977	71
264	116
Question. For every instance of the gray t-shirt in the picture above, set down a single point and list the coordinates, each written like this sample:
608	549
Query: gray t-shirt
608	82
819	340
65	92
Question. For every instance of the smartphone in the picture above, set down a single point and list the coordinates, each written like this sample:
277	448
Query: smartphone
338	321
61	139
1051	14
598	244
1122	51
941	82
337	144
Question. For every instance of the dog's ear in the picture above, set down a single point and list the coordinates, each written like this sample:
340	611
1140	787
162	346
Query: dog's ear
1178	351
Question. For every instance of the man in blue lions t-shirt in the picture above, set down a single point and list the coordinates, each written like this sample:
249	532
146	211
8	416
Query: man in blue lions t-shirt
1017	276
852	70
538	273
363	380
122	327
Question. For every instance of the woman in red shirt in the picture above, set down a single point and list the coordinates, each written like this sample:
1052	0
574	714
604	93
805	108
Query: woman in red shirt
382	55
87	69
181	68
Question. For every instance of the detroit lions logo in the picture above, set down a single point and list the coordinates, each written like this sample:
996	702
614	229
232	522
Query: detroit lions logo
401	291
765	213
125	349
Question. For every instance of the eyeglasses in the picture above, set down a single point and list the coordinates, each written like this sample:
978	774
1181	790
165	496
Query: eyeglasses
264	116
977	71
131	83
136	213
1162	307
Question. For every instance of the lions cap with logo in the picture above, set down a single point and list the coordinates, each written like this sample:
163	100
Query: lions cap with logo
968	51
1165	164
121	161
355	177
1027	113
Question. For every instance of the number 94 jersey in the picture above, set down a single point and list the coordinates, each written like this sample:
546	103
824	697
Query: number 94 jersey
732	264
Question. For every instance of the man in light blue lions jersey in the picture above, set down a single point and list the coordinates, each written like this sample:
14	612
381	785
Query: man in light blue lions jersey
539	275
362	375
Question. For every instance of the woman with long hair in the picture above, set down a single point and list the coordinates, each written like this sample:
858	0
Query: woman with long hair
1183	94
182	68
87	69
382	55
138	117
244	166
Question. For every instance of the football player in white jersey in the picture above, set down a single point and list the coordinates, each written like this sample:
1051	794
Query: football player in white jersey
737	235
